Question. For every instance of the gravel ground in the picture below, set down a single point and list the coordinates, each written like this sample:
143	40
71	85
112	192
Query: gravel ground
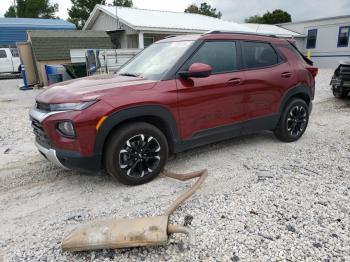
264	200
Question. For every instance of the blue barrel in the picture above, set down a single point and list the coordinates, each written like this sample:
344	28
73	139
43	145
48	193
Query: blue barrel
50	70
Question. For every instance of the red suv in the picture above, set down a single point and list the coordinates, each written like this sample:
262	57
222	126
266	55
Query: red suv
179	93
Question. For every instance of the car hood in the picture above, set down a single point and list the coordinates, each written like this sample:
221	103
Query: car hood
90	88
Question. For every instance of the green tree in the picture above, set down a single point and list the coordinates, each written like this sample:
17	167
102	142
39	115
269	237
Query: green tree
278	16
11	12
255	19
81	9
126	3
204	9
33	9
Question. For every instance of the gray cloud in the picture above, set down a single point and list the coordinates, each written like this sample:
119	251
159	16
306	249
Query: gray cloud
238	10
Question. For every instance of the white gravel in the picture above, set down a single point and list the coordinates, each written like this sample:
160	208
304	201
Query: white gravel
264	200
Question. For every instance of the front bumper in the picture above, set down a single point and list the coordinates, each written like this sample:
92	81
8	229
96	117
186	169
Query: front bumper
68	159
71	160
50	154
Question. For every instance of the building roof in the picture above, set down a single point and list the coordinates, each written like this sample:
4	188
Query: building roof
13	30
155	20
272	30
317	20
55	45
35	22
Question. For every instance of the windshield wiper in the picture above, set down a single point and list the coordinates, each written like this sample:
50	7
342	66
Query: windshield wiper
130	74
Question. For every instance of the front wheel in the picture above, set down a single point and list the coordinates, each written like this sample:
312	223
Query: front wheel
339	92
293	121
136	153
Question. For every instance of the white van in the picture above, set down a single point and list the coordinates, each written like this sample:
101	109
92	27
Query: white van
9	60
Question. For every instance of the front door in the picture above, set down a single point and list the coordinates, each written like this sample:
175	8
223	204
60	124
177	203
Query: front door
214	101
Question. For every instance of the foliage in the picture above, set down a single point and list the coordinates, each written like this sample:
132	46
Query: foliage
204	9
81	9
126	3
11	12
33	9
278	16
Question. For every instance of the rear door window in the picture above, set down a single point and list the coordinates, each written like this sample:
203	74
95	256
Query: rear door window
3	54
258	55
220	55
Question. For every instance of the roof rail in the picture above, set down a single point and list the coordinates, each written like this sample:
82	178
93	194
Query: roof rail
169	36
216	32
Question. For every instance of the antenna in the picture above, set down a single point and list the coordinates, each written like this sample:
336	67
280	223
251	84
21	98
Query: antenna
116	16
15	7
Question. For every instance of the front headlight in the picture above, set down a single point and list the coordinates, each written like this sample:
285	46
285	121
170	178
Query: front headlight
71	106
66	129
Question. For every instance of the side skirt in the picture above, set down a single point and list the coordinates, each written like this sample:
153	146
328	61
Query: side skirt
226	132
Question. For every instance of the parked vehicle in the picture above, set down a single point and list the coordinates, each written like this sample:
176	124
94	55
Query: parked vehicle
9	60
179	93
341	80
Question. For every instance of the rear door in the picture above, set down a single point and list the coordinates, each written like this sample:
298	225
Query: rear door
214	101
5	61
267	75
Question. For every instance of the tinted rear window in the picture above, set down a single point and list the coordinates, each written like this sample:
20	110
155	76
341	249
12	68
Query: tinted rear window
296	51
258	55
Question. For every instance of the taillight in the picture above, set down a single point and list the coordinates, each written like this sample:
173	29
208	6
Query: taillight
312	70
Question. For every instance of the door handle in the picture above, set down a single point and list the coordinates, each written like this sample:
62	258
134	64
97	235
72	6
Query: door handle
234	81
286	74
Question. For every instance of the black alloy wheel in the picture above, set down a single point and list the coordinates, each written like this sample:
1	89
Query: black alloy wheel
136	153
293	121
140	155
296	121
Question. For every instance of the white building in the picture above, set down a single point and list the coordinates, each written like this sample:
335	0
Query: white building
326	38
138	28
274	30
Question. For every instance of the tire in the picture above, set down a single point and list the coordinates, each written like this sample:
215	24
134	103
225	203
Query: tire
339	92
293	121
136	153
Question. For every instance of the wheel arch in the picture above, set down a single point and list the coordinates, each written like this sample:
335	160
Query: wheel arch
302	92
156	115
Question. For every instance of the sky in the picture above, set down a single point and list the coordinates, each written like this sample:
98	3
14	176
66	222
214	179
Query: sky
233	10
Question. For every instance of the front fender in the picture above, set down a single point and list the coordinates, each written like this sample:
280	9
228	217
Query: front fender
119	117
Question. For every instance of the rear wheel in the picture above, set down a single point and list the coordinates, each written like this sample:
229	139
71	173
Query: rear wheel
293	121
339	92
136	153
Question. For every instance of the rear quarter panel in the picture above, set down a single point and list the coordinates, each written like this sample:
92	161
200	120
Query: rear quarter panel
303	76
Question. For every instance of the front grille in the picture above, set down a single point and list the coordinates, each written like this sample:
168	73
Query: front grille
40	135
43	106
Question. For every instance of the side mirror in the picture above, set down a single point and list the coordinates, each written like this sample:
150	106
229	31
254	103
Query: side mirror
197	70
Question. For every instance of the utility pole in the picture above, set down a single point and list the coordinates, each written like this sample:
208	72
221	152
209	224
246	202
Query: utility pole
15	7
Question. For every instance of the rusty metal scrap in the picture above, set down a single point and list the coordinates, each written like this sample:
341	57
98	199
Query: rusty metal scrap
136	232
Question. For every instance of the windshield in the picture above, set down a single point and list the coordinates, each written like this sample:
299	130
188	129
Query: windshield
156	60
